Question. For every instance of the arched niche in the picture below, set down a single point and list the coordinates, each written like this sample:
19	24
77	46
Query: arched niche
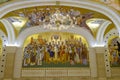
114	51
112	55
55	49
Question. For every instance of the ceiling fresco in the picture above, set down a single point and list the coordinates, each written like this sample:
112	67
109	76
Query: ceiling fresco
56	17
59	17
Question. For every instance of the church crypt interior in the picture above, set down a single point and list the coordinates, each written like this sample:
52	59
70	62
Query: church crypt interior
59	40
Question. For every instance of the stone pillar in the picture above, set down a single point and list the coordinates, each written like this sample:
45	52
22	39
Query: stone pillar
2	62
100	63
18	63
93	65
9	65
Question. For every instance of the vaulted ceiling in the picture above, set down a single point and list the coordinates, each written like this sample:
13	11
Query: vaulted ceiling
24	18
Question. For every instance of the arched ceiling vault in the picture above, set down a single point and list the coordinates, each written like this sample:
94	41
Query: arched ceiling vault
37	29
105	11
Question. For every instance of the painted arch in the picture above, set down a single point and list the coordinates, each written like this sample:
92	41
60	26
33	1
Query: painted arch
82	4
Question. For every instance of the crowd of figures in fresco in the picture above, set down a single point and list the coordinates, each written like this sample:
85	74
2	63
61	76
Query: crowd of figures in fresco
71	51
55	16
114	50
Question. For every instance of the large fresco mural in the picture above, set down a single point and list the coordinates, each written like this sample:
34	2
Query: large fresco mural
51	18
114	52
56	18
55	49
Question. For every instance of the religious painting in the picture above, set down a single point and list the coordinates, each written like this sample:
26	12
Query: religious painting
52	17
55	49
114	52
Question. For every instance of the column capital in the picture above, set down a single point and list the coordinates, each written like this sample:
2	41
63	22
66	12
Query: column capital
98	49
10	49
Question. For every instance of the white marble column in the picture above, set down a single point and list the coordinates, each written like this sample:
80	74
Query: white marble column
9	63
101	71
18	63
92	59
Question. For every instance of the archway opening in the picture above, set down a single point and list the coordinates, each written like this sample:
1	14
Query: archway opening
55	49
114	51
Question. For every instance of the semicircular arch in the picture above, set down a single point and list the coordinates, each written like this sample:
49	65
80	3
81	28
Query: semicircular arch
113	15
76	30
